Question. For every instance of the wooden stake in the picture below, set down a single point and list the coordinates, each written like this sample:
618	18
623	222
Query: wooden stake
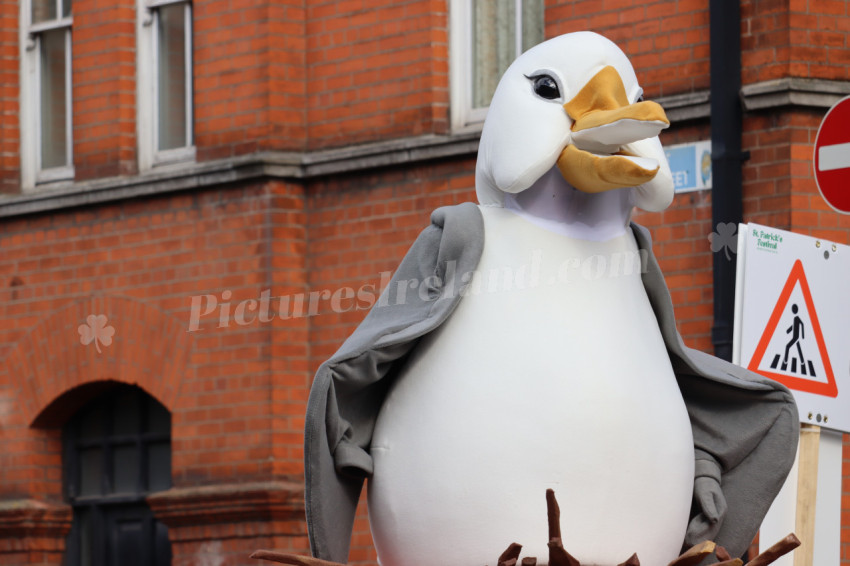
807	491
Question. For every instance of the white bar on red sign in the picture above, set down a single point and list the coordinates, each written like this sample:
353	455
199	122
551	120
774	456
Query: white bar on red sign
832	157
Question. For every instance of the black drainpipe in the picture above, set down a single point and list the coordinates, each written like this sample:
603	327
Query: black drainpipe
726	157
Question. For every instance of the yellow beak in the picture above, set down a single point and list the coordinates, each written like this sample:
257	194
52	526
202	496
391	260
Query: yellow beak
603	122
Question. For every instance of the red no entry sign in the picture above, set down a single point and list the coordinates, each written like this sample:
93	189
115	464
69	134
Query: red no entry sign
832	157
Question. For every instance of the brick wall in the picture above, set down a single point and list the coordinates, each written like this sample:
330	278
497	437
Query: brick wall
249	77
9	96
376	73
104	89
288	77
792	38
298	76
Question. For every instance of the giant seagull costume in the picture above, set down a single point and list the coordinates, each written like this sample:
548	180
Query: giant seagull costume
528	342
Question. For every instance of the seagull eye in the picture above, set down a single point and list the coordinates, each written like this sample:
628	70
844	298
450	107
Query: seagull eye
545	87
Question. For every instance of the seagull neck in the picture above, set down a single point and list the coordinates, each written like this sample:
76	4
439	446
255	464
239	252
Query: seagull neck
558	207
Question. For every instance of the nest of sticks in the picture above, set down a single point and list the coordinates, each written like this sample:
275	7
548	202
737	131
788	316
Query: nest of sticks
558	556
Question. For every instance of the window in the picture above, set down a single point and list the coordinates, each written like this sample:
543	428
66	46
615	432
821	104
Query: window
46	98
117	450
165	82
486	36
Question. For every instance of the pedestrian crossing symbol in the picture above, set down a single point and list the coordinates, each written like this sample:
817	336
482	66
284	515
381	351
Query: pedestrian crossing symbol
791	349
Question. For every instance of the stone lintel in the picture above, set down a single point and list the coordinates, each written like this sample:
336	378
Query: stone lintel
29	518
229	503
793	91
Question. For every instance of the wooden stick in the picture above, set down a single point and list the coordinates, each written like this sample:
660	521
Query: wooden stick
807	491
553	512
632	561
695	554
558	556
722	554
292	559
776	551
511	553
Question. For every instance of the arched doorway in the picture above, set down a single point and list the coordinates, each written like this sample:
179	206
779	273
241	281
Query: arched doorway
117	450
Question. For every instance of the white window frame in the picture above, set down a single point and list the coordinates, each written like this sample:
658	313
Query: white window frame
147	88
465	117
32	173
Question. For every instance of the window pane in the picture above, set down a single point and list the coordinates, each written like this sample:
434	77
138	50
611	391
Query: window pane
91	471
126	413
86	533
54	150
129	547
43	10
91	424
159	419
125	461
159	466
493	46
171	76
66	8
532	23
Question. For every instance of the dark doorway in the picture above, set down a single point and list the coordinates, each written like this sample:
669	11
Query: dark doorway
117	450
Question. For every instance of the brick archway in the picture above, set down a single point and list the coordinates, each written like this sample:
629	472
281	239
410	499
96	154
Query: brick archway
148	348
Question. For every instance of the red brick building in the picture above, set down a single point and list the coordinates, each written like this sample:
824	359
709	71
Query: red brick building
165	158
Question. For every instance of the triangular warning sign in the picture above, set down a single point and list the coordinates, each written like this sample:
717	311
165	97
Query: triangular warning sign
791	365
